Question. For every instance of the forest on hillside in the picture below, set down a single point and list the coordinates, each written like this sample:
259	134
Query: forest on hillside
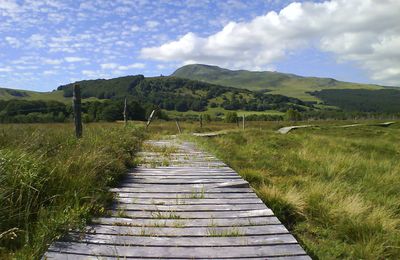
362	100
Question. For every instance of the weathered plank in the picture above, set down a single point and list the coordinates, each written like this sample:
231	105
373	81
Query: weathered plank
178	252
193	215
187	231
176	181
228	222
188	208
275	239
188	201
177	189
182	195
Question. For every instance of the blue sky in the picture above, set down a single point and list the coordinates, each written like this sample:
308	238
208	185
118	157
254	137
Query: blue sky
47	43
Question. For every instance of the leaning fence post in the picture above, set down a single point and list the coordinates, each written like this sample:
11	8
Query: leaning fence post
178	126
76	100
150	118
125	108
244	124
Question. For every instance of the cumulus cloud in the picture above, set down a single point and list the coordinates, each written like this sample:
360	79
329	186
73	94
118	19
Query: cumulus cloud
366	32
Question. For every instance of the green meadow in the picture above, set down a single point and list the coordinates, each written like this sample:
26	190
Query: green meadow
336	189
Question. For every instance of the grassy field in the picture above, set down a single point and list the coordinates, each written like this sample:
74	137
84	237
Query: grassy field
337	189
51	182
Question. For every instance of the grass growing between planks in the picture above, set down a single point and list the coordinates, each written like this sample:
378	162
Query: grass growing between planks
50	182
337	189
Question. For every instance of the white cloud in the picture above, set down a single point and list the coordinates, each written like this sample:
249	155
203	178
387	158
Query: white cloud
8	7
152	24
118	68
74	59
52	61
109	65
49	72
6	69
134	28
37	40
132	66
366	32
13	42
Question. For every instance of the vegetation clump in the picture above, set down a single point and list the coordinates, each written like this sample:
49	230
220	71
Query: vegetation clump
51	182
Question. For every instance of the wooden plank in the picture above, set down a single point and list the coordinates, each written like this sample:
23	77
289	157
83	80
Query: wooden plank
141	177
188	208
177	181
177	189
184	169
182	195
177	252
275	239
64	256
189	201
193	215
187	231
251	221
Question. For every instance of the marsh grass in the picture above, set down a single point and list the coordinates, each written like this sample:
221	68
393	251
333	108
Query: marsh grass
230	232
50	182
165	215
336	189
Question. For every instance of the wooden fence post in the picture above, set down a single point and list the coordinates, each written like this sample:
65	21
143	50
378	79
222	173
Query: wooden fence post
150	118
125	117
244	124
201	121
76	100
178	126
237	121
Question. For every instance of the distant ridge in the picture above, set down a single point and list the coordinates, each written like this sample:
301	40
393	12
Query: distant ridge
276	82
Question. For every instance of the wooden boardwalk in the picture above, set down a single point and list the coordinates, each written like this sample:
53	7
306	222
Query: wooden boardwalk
182	203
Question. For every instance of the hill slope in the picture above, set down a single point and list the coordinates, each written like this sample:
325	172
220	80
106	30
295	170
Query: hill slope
179	94
8	94
277	83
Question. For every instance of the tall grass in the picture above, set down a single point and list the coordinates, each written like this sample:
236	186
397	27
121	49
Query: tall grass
51	182
337	189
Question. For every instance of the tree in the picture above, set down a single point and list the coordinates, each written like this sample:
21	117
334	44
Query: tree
231	117
292	115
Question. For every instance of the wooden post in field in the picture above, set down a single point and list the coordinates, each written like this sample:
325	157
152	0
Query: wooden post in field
125	117
76	100
150	118
237	121
201	121
244	124
178	126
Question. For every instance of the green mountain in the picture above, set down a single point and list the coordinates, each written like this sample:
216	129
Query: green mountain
275	82
9	94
